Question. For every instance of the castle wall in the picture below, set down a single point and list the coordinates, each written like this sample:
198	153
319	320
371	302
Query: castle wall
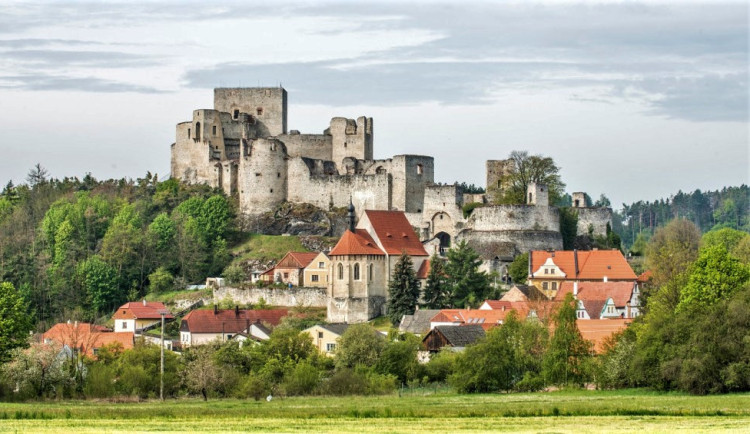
442	209
262	176
514	218
496	171
315	146
290	297
596	217
268	106
191	157
351	138
327	191
506	244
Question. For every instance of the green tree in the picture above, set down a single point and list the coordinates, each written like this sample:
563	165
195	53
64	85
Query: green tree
38	371
160	280
403	289
15	322
568	227
728	237
527	169
568	357
101	284
360	344
202	374
671	250
715	275
467	284
519	268
399	358
436	291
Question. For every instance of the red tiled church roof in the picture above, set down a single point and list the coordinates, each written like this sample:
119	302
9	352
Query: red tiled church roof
395	233
358	242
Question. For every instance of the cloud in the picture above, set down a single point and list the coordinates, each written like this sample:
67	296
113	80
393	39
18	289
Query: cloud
86	84
65	58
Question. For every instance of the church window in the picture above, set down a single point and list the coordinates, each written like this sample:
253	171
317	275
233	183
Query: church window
356	271
370	276
341	271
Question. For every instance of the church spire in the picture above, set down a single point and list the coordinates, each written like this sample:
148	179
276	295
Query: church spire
350	216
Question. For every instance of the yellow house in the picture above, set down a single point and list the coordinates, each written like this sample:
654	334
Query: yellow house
325	336
316	272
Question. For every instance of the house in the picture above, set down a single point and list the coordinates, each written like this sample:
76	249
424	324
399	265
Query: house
522	293
86	338
597	331
601	300
418	323
484	318
454	337
134	316
548	269
205	325
362	262
290	269
255	334
325	336
316	273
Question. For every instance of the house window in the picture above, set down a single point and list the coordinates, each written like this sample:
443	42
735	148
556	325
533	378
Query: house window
330	347
546	271
356	271
286	275
320	335
96	351
124	324
554	286
321	264
314	278
229	337
544	285
341	271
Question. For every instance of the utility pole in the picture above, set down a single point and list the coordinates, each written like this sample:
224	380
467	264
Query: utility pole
161	373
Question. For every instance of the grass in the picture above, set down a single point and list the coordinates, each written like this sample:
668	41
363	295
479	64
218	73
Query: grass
170	297
563	411
267	247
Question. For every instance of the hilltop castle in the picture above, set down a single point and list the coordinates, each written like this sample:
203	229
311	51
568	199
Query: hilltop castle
243	146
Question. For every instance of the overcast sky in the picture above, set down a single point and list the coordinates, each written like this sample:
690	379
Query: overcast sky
635	100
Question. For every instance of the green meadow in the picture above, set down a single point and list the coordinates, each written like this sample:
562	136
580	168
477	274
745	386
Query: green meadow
563	411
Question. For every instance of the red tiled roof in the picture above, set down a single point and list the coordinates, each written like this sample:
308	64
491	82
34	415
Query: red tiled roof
395	233
620	292
486	318
497	304
645	276
592	265
424	269
296	259
86	336
598	330
137	310
358	242
228	320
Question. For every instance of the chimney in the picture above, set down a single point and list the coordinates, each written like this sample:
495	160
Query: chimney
605	278
68	321
575	259
75	324
575	289
216	310
236	310
144	301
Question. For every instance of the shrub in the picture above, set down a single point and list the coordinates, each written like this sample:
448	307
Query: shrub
255	386
302	380
441	365
99	381
234	274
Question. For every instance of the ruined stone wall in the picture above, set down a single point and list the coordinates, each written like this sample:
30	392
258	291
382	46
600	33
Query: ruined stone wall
515	218
474	198
351	138
496	171
315	146
330	191
290	297
268	106
191	158
262	178
411	174
442	209
596	217
506	244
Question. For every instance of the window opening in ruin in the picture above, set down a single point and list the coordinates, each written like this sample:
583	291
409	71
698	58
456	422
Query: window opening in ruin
420	169
356	271
235	114
197	130
259	111
498	183
278	174
341	272
213	130
272	190
370	275
257	174
530	196
576	203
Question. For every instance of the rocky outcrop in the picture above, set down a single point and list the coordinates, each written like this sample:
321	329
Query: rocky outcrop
298	219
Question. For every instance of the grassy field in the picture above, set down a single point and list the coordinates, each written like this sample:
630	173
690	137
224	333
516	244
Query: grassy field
565	411
267	247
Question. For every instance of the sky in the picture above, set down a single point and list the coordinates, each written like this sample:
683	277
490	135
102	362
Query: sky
634	100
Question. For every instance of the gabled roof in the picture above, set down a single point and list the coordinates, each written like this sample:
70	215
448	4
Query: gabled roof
424	269
620	292
395	233
523	293
337	329
358	242
419	322
598	330
142	310
594	307
229	320
460	336
296	259
86	336
497	304
592	265
484	318
645	276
